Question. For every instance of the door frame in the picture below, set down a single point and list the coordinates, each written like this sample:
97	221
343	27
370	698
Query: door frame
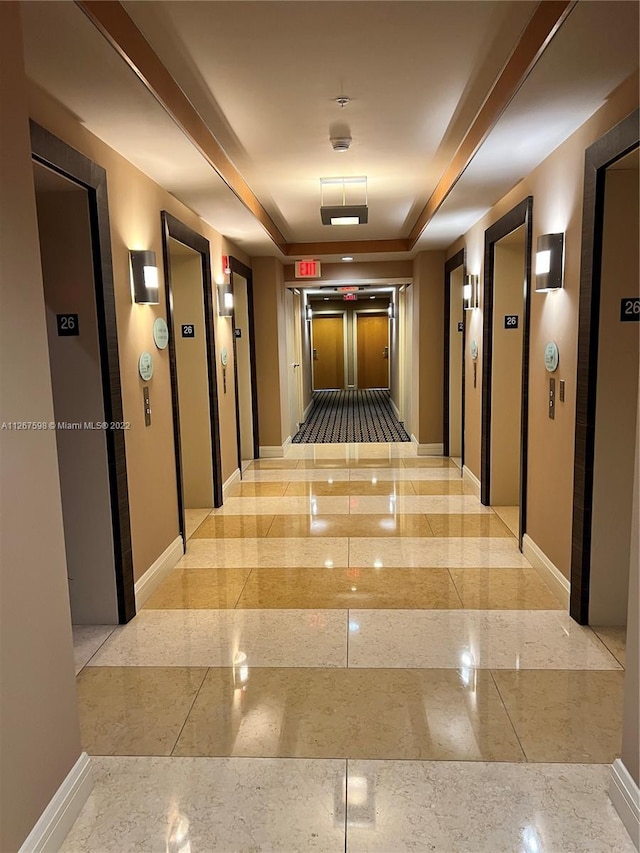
238	268
521	214
56	155
458	260
174	228
357	313
615	144
329	313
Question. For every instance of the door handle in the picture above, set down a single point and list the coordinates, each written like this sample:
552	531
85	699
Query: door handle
315	354
385	352
295	364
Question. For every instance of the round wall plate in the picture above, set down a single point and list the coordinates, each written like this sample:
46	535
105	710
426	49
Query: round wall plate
145	366
551	356
160	333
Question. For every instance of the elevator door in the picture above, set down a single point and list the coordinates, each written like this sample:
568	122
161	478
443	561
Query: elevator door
328	352
373	350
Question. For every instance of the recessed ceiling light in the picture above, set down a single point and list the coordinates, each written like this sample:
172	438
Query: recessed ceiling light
372	297
347	258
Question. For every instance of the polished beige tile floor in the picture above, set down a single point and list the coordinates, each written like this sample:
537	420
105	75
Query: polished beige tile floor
354	604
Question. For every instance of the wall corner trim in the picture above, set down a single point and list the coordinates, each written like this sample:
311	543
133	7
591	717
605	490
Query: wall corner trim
471	480
64	807
157	572
549	573
230	481
274	451
625	796
430	449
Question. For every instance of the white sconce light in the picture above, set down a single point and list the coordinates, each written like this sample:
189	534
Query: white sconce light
549	262
144	277
225	300
308	311
391	310
470	292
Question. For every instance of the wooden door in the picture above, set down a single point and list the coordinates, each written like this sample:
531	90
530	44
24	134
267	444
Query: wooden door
373	351
328	352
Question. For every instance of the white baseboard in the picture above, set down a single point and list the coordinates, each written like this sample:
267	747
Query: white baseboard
549	573
64	807
471	480
274	451
156	573
414	440
430	449
625	796
234	478
396	410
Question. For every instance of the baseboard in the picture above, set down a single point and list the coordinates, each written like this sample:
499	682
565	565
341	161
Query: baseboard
430	449
549	573
471	480
49	833
234	478
414	441
274	451
396	410
156	573
625	796
305	414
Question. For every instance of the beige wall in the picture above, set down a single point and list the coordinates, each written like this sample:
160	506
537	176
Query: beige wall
630	753
243	365
616	403
39	731
456	313
135	203
557	186
193	377
67	269
428	346
269	321
506	382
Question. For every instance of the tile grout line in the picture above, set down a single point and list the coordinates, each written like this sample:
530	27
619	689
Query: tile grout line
595	633
244	585
506	710
188	714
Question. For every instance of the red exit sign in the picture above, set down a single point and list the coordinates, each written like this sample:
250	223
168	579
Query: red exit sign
307	269
350	297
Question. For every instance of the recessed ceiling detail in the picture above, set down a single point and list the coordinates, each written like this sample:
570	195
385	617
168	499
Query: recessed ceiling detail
470	99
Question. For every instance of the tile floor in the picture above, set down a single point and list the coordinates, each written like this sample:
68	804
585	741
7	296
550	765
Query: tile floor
352	655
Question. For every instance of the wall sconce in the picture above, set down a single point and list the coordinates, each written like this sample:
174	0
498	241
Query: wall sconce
470	292
225	299
308	311
391	310
144	277
549	262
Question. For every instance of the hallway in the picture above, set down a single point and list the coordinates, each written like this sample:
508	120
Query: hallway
353	654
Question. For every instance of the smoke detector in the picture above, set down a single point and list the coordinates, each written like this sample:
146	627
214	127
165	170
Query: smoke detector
340	143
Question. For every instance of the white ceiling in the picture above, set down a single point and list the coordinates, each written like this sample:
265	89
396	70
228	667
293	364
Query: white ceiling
263	76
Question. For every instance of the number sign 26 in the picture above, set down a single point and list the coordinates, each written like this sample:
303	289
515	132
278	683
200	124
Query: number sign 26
511	321
68	326
630	309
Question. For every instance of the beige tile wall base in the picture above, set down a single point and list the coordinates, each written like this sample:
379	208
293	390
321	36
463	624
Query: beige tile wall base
430	449
64	807
471	480
231	481
625	796
274	451
549	573
156	573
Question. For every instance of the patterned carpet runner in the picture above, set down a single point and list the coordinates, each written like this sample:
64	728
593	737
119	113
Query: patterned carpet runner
350	416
